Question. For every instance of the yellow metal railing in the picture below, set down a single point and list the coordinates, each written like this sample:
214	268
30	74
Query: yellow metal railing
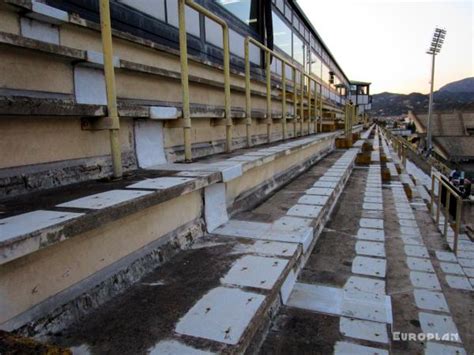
305	91
305	78
185	74
446	211
112	121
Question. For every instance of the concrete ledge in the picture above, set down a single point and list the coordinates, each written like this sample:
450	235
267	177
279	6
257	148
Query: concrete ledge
15	245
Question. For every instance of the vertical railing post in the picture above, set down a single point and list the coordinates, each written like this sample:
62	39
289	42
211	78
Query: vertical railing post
269	95
432	194
228	114
301	101
458	224
439	201
295	103
109	72
321	107
446	213
248	108
309	104
283	100
183	53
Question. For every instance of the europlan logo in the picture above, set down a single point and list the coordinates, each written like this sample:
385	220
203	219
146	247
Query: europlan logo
401	336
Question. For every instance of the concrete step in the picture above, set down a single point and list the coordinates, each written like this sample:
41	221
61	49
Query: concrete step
218	296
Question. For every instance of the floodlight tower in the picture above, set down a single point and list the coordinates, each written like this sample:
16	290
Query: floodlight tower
435	48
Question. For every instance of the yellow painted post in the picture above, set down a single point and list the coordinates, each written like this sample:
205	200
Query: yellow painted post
439	202
321	108
301	102
112	111
183	54
228	118
458	224
248	108
295	103
432	194
309	104
283	100
446	212
269	95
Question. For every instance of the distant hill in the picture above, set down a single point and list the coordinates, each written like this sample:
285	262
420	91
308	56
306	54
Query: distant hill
458	95
464	85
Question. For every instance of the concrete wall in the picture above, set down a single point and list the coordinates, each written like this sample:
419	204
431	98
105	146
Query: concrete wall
28	281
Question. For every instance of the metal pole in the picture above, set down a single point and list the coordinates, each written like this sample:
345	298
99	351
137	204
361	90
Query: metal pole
439	202
229	124
295	103
458	225
446	213
283	100
183	51
430	106
309	105
112	111
248	110
302	102
269	96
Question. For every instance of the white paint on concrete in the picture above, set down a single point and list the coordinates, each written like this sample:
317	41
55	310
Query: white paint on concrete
268	248
40	31
317	200
459	282
438	349
370	234
424	280
320	191
372	206
316	298
372	199
307	211
43	12
288	286
369	266
291	223
172	347
29	222
405	215
89	86
164	113
371	223
417	264
160	183
221	315
365	330
451	268
255	271
430	300
416	251
326	184
407	223
346	348
105	199
215	207
412	240
442	325
369	288
149	143
376	249
466	262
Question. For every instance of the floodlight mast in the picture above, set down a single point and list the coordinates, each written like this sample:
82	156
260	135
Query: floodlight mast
436	44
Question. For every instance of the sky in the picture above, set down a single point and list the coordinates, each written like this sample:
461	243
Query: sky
386	41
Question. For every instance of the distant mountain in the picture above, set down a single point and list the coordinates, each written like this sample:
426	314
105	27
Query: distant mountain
458	95
464	85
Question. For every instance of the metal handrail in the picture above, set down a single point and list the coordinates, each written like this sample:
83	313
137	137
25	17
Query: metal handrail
185	74
112	121
449	191
296	70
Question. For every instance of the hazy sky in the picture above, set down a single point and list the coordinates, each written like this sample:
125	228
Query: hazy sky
387	40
